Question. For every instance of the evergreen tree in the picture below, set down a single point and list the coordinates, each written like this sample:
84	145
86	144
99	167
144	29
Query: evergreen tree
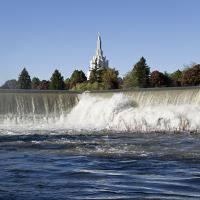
57	82
95	76
24	80
139	76
96	73
35	83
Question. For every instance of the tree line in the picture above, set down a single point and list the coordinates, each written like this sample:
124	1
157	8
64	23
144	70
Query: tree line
139	76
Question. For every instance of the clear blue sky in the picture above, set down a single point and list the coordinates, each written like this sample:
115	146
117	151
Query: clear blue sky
43	35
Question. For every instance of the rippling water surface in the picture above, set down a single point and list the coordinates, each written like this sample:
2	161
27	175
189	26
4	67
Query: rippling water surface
70	165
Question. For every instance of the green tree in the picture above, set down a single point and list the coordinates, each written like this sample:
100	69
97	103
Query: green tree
110	79
57	82
77	77
176	77
67	83
88	86
24	80
93	76
96	75
191	76
10	84
168	79
35	83
139	76
120	82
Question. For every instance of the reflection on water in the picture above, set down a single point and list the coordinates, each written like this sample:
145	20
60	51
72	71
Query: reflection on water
101	165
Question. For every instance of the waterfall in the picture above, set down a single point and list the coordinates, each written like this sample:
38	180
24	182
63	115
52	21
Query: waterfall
169	109
159	96
165	109
34	107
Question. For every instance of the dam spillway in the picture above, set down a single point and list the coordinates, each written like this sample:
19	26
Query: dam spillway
34	106
30	102
157	96
162	109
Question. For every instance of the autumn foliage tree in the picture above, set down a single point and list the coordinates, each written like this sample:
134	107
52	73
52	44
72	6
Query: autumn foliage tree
44	85
191	76
158	79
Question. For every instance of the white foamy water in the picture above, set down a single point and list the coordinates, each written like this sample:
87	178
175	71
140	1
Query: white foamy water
120	113
151	110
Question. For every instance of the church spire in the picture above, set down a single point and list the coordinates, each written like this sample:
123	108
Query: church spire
98	62
99	42
99	48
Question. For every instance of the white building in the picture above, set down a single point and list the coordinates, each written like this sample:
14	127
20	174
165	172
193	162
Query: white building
98	61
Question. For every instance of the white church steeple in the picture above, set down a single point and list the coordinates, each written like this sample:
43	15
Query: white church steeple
98	61
99	50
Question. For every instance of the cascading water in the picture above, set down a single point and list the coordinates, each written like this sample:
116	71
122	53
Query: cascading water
34	109
139	110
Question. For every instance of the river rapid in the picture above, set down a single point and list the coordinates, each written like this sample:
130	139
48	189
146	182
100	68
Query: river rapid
99	165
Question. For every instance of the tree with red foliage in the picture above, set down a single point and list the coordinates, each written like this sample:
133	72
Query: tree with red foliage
191	76
158	79
44	85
